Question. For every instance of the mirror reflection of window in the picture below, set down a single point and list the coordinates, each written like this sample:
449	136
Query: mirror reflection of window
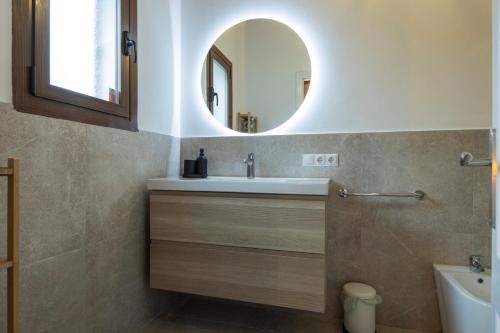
219	86
268	79
219	90
307	83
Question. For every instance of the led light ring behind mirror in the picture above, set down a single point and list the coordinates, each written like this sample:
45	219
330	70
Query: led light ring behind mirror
298	105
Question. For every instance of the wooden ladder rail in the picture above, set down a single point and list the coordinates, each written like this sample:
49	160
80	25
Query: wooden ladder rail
11	263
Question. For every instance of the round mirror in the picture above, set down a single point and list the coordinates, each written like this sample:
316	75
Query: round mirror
256	76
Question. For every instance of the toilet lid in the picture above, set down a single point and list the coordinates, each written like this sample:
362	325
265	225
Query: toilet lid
359	290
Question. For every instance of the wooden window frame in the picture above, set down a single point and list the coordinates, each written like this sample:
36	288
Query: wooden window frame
217	54
32	91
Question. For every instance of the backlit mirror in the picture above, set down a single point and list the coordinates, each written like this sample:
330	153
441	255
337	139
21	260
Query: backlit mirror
256	75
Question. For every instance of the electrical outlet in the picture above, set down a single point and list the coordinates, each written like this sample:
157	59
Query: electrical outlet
308	159
332	160
319	160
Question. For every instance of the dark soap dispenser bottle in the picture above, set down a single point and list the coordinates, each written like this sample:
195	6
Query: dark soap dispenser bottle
202	164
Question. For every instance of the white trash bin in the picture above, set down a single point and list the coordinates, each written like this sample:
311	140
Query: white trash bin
359	307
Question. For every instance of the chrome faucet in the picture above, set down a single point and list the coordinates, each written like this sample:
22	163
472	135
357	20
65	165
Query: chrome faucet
475	264
250	162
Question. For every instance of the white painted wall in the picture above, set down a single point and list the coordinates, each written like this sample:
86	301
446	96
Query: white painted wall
275	55
233	44
378	65
159	63
5	51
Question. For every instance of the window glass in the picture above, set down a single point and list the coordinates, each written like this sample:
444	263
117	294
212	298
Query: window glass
85	47
220	83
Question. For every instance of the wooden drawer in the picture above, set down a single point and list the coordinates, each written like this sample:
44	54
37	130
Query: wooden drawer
294	280
285	223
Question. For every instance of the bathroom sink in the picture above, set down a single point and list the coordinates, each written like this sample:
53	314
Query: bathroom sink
303	186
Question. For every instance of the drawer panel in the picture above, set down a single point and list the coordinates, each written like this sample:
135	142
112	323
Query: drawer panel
293	280
274	223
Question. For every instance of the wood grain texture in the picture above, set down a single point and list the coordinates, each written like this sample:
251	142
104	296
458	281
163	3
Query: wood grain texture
11	263
5	171
286	279
5	263
276	223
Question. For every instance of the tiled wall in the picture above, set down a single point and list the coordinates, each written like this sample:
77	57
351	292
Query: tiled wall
84	210
386	242
83	222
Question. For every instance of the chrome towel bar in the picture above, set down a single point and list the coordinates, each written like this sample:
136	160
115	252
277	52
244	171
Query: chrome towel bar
468	160
343	193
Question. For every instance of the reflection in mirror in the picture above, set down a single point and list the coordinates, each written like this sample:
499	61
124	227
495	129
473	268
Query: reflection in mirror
256	76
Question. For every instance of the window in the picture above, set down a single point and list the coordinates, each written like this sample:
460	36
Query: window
76	60
220	89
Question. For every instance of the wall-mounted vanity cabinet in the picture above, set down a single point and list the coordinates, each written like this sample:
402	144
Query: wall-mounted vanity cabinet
260	248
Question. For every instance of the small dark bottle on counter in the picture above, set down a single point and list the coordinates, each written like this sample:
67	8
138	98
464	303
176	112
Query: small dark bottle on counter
202	164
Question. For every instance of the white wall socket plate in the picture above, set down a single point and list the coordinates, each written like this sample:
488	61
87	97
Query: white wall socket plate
308	159
332	160
320	160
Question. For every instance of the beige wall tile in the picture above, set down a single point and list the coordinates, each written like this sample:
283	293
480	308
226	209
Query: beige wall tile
386	242
83	222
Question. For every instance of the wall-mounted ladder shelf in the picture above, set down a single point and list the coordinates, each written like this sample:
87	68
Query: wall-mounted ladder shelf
11	263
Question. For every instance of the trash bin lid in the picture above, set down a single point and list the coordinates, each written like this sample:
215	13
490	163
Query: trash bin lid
359	290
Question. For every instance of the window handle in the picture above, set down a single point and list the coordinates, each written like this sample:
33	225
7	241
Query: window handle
213	95
129	43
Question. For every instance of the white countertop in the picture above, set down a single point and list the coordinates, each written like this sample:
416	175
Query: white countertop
300	186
